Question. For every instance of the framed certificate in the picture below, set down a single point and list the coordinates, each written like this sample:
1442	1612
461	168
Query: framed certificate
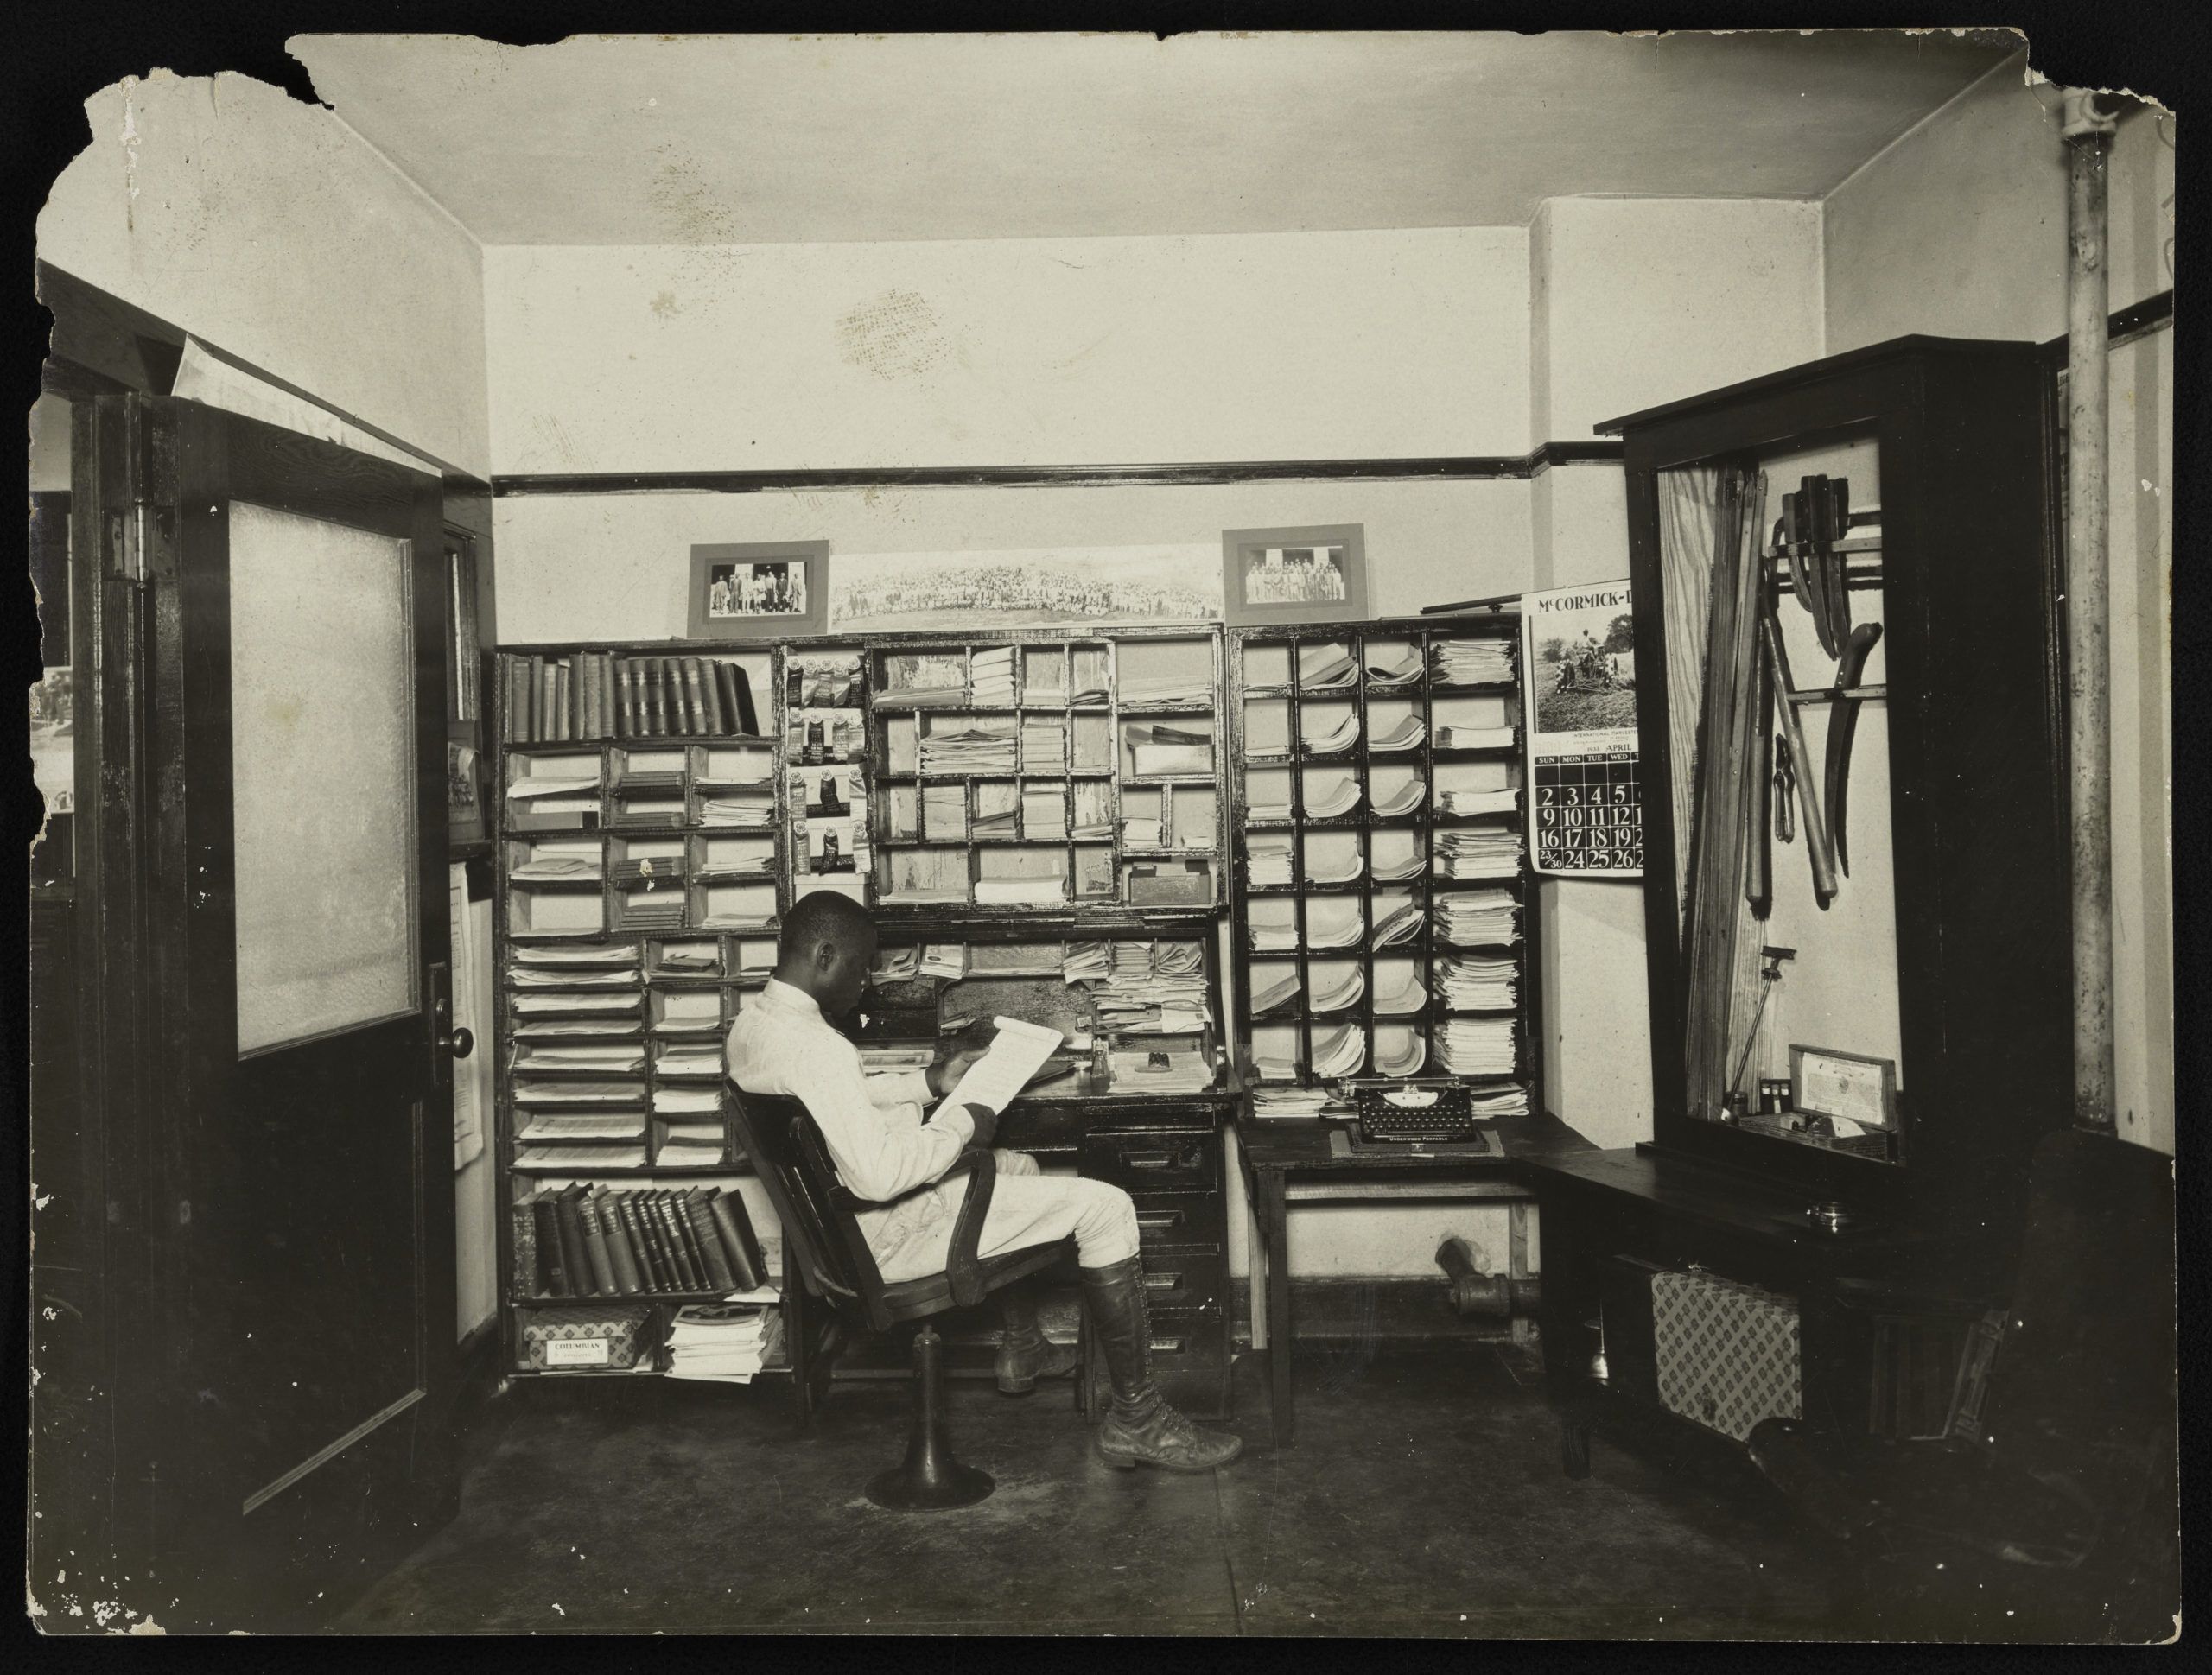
1826	1083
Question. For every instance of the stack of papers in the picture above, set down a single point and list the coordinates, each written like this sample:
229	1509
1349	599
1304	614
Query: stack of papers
687	956
1163	750
1142	834
971	750
594	1158
1044	745
1473	663
1340	1052
1402	926
1094	811
1272	991
1175	689
1328	795
1087	962
923	678
1045	815
1274	938
896	965
1402	736
545	867
1475	1046
944	959
1479	985
991	678
696	1144
1334	922
592	954
1479	852
1273	1066
1341	869
1476	917
595	1125
1404	800
1268	861
1320	667
1505	801
547	1029
574	977
1399	868
1465	738
540	1004
725	1342
693	1012
613	1057
1267	813
1287	1104
1401	670
1342	994
1132	961
996	823
1399	1051
537	790
1322	734
731	811
944	813
679	1058
1409	997
682	1100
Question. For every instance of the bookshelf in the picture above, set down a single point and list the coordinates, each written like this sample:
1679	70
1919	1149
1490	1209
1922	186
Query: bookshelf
639	888
1385	915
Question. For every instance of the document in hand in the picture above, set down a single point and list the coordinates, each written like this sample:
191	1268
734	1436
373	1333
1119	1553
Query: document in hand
1018	1052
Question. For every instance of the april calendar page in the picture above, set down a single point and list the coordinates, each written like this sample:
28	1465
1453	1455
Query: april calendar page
1578	669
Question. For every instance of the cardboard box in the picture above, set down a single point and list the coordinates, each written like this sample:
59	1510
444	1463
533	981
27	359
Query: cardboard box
1727	1352
582	1338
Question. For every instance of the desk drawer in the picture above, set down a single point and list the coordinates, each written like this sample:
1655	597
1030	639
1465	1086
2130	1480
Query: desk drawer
1153	1160
1173	1220
1182	1280
1190	1364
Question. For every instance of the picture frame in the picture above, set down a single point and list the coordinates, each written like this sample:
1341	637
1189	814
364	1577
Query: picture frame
758	590
1825	1083
1308	573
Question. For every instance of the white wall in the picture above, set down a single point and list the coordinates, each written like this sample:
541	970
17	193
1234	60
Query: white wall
1011	352
1960	230
1635	302
263	225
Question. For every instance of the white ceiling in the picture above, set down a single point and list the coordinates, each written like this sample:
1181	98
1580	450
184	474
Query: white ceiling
762	139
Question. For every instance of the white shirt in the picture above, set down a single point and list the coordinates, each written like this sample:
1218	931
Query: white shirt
782	1044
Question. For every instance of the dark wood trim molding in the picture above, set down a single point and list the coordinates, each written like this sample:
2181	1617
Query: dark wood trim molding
1446	469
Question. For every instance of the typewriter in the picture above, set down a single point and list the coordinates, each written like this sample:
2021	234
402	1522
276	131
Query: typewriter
1412	1111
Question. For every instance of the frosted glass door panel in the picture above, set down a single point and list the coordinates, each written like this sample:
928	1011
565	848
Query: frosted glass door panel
322	763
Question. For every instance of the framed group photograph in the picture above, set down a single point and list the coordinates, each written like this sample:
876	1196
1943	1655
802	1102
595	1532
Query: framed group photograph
1316	573
762	590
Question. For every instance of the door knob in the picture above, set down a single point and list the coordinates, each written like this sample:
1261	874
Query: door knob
459	1043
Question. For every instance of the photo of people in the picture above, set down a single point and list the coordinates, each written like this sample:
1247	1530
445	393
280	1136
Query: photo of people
756	590
888	593
1295	576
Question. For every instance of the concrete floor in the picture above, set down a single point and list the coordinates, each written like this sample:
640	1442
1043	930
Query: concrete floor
1424	1497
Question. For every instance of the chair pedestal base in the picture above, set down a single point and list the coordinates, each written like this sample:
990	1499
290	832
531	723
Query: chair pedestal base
930	1478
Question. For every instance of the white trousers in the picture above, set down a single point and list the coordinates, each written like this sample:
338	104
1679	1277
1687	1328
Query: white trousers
914	1238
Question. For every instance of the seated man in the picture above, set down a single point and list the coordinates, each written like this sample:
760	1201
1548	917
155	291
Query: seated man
888	1154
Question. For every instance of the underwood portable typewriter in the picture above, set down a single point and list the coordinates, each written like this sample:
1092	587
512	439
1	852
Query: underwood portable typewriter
1412	1111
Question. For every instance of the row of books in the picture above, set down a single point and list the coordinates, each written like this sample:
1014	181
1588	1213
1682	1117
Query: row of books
596	694
582	1240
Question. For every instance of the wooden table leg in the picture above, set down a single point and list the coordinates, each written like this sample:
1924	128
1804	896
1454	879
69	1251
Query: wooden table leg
1516	1263
1272	1185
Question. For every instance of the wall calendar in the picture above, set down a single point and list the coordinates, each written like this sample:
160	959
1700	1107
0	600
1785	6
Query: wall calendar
1584	794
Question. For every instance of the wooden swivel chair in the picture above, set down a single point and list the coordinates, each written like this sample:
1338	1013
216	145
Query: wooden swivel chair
829	1271
2054	1489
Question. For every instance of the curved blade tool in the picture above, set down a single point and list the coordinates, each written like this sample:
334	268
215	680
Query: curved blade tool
1843	723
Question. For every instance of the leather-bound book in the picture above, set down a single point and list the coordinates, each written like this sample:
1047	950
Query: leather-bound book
574	1262
527	1279
688	1272
741	1245
656	698
709	1242
603	1283
607	702
651	1268
710	690
587	693
541	698
625	699
617	1238
694	697
552	1264
748	722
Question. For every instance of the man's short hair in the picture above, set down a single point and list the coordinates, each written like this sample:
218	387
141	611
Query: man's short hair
823	917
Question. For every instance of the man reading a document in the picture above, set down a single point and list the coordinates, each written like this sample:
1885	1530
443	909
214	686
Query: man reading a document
892	1156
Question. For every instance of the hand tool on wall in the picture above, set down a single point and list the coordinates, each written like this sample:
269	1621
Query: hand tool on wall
1809	513
1785	797
1816	831
1758	860
1835	526
1843	722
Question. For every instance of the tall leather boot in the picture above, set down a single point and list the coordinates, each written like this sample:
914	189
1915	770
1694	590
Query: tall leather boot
1026	1354
1140	1426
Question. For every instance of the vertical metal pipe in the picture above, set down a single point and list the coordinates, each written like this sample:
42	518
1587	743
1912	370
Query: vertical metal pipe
2088	611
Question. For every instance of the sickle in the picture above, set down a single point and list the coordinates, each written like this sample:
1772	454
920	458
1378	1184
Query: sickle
1801	583
1807	509
1843	722
1834	526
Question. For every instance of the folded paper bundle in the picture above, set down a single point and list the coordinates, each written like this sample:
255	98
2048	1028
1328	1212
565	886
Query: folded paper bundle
1399	1050
1166	751
1403	735
1502	801
1479	985
990	673
1400	926
1330	796
1321	667
1479	852
1467	738
1402	670
1270	991
1472	662
1340	1052
1324	732
1267	861
1475	1046
1401	799
1473	918
1341	994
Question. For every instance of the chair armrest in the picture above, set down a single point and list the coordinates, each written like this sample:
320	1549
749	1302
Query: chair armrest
961	1265
1877	1297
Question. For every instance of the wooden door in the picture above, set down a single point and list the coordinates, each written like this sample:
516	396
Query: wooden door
297	1006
